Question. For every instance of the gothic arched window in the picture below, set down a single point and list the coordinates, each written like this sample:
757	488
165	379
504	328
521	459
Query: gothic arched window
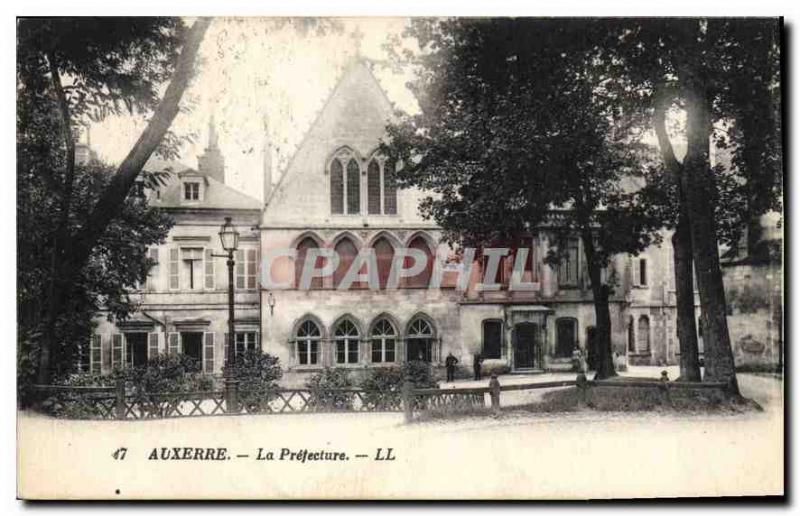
424	277
381	190
337	187
307	339
353	191
347	252
383	338
302	251
419	341
346	338
384	253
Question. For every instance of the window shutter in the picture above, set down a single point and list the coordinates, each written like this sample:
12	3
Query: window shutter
240	269
152	276
251	268
96	355
152	345
208	355
117	350
635	272
174	270
225	348
209	267
174	344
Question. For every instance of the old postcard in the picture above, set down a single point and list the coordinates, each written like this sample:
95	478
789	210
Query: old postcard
399	258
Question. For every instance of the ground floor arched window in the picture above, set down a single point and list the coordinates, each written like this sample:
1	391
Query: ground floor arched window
307	342
419	341
383	338
346	338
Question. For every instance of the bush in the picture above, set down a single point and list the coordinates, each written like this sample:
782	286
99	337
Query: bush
384	385
258	374
320	385
162	374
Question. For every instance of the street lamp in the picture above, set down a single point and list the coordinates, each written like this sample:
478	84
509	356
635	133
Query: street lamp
230	242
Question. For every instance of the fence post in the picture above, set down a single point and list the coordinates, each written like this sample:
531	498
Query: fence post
494	385
408	409
119	395
583	389
664	388
231	394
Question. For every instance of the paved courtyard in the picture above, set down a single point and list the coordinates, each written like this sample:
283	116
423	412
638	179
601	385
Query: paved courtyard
520	456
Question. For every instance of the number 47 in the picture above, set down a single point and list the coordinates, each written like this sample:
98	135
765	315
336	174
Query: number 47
120	454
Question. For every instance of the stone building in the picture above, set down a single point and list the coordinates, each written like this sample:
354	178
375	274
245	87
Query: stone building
184	303
337	192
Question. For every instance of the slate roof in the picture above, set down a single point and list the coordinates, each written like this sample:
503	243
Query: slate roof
217	195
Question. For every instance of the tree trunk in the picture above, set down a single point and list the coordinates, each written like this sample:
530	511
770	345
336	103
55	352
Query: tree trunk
684	294
77	253
701	197
600	293
681	246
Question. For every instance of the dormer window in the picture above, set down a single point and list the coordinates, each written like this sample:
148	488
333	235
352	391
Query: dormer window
191	191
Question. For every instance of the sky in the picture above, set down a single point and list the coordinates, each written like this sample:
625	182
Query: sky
252	68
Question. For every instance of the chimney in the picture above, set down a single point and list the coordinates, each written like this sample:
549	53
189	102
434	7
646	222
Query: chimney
211	162
267	162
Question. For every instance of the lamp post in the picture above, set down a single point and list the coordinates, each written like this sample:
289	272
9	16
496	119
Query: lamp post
230	242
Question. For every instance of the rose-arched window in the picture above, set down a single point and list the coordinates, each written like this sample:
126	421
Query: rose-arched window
303	249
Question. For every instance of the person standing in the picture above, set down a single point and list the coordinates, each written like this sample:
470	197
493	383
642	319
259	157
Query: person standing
450	364
476	365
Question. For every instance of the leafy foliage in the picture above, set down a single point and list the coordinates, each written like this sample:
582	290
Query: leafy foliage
258	374
164	373
320	385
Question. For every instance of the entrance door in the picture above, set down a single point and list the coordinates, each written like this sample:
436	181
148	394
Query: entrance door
136	352
418	349
565	337
526	345
193	345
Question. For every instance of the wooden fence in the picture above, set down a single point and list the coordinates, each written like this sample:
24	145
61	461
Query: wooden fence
121	403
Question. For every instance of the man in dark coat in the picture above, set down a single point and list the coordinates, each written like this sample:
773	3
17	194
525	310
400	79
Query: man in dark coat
476	365
450	364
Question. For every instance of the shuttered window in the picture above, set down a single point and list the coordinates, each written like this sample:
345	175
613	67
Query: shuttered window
117	350
174	269
208	352
152	275
152	345
96	354
568	267
174	343
209	270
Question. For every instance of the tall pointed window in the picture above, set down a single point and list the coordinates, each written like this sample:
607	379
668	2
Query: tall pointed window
353	190
337	187
374	188
347	251
302	252
384	253
424	277
381	190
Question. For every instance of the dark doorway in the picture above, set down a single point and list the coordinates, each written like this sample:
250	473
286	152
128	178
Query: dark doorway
136	349
566	333
193	345
418	349
591	348
526	345
492	339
